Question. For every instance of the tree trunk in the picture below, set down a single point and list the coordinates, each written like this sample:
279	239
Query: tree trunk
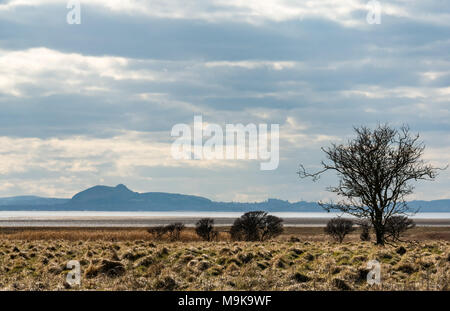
379	229
379	232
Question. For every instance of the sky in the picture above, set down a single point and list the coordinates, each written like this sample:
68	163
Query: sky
95	102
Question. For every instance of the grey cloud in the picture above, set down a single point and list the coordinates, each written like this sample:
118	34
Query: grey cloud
334	66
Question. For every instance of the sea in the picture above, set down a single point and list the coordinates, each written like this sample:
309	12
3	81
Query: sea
189	218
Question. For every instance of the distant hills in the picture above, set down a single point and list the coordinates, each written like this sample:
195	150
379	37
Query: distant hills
120	198
30	200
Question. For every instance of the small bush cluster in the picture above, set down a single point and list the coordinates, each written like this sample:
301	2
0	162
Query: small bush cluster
173	231
205	229
338	228
256	226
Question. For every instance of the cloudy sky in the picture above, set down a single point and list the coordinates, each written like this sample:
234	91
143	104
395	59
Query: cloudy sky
95	103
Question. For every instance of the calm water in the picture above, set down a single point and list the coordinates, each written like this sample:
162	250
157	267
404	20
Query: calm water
10	215
145	219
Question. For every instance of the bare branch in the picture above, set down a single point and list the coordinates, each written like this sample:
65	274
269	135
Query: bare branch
376	172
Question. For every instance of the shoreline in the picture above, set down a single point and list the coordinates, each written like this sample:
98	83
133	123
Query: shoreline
141	222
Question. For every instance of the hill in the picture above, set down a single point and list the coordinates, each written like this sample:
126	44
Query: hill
120	198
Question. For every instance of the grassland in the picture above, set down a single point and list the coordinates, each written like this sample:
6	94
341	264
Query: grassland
301	259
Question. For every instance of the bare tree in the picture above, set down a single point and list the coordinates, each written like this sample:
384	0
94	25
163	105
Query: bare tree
338	228
375	171
256	226
205	229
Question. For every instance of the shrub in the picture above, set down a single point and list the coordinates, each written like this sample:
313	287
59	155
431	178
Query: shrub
173	230
158	231
256	226
272	227
338	228
205	229
365	227
396	225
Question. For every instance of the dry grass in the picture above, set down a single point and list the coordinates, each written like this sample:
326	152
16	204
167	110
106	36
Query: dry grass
189	235
128	259
96	234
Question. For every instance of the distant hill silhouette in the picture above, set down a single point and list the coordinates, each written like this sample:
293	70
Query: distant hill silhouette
120	198
103	195
31	200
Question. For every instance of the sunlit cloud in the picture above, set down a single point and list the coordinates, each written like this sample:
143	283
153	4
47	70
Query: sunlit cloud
94	103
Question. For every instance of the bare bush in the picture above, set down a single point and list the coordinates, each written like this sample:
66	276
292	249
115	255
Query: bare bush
173	230
365	226
256	226
338	228
158	231
205	229
395	226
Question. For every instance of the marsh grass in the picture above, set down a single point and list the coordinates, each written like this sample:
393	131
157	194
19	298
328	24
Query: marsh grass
95	234
130	259
311	234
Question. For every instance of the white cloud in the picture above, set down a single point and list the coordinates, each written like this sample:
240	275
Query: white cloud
253	11
433	95
275	65
84	154
53	71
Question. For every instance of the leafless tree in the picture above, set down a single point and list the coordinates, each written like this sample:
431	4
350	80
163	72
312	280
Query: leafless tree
375	170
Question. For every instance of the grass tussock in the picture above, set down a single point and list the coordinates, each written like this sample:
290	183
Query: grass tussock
144	264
